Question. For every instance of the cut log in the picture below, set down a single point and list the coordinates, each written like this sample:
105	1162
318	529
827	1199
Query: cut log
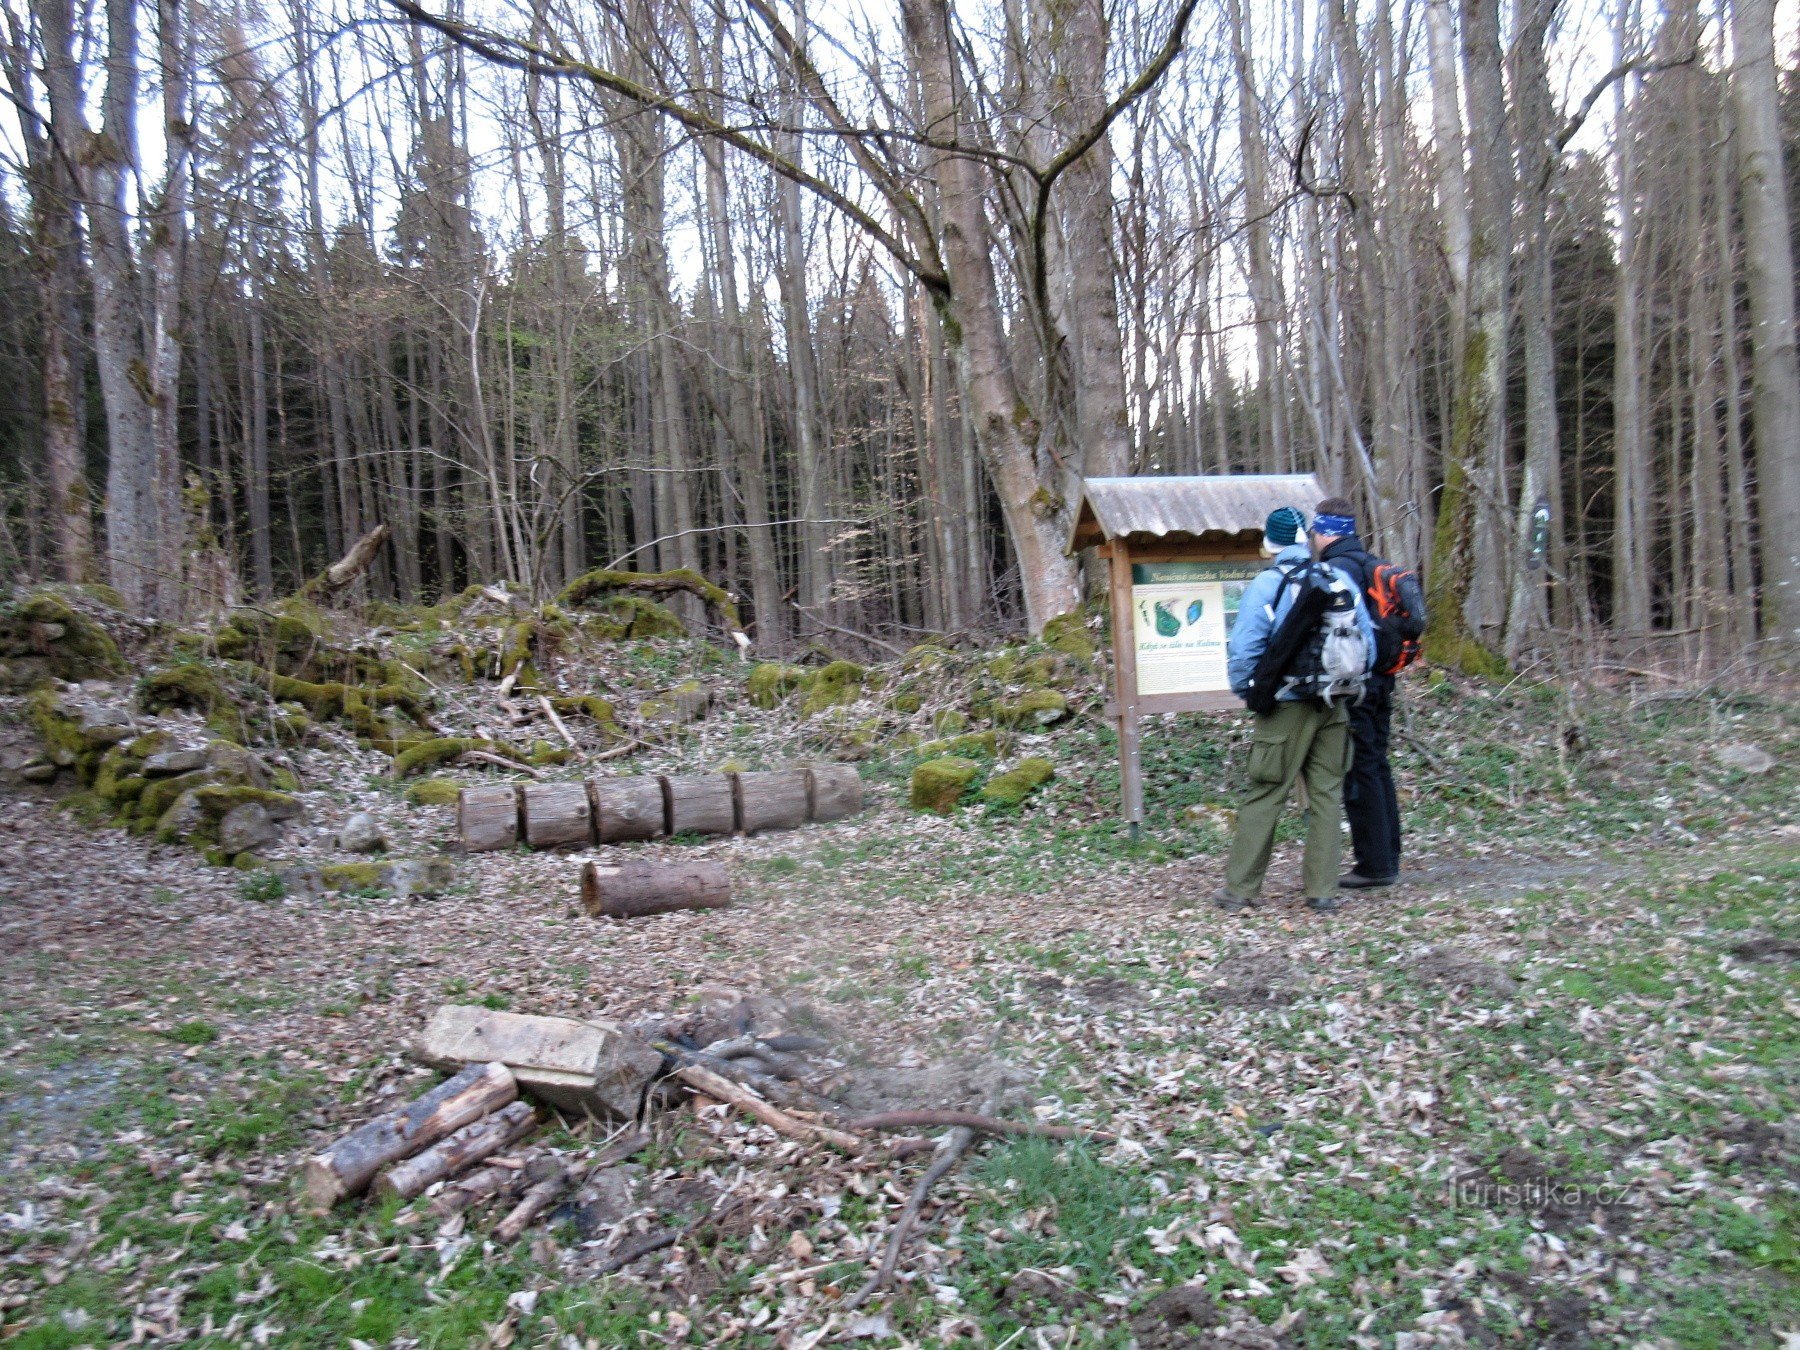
628	808
536	1200
487	818
702	804
349	1165
631	890
556	815
835	791
457	1152
771	801
579	1066
484	1183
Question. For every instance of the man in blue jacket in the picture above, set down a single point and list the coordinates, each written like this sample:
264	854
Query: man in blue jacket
1299	737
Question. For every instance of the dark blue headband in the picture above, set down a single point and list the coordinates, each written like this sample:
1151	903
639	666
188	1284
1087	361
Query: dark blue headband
1334	525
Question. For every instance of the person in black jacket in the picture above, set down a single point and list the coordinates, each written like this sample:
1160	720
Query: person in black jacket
1370	802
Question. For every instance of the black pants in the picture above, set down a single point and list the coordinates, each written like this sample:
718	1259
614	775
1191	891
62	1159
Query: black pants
1369	800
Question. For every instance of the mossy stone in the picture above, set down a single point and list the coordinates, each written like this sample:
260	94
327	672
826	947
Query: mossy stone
1038	707
771	682
1018	782
971	743
833	686
938	784
906	702
354	876
434	792
71	645
1068	633
950	721
159	794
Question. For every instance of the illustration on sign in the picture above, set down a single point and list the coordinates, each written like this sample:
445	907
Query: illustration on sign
1181	614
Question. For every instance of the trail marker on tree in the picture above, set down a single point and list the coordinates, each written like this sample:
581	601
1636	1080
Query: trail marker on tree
1179	553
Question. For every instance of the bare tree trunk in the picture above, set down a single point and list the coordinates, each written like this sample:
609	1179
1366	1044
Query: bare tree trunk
109	159
1769	280
1477	386
166	258
1631	451
1007	433
52	144
809	468
1528	606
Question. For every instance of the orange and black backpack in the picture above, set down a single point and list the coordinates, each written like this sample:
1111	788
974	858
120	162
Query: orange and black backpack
1397	605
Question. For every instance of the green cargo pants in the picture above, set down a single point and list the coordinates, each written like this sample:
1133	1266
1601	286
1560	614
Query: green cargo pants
1295	739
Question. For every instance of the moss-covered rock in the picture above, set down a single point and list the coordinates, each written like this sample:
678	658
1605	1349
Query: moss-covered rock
971	743
1018	782
434	792
196	687
1068	633
939	784
66	643
159	794
927	656
950	722
1037	707
833	686
906	701
771	682
632	618
58	725
687	702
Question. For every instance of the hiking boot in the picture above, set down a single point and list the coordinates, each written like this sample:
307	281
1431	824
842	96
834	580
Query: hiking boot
1229	902
1356	881
1322	904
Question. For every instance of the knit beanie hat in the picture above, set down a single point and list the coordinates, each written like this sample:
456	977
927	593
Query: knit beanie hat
1284	526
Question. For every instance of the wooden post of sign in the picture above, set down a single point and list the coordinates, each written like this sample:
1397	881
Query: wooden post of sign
1125	695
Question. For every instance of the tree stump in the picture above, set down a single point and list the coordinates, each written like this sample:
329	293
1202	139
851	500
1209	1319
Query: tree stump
700	805
557	815
628	808
349	1165
487	818
772	801
630	890
836	792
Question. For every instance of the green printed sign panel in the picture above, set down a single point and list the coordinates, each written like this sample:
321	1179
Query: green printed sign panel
1180	615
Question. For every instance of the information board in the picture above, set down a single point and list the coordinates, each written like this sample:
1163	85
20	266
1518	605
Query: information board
1181	613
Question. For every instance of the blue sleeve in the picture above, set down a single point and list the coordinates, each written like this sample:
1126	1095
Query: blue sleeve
1250	634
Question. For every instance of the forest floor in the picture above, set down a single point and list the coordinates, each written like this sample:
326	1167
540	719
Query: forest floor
1542	1093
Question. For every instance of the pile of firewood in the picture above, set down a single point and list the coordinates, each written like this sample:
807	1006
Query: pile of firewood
456	1145
652	806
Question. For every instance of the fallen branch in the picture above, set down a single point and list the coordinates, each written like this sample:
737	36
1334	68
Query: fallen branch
970	1120
955	1144
483	757
557	722
535	1202
656	1242
618	751
723	1089
347	568
792	1096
